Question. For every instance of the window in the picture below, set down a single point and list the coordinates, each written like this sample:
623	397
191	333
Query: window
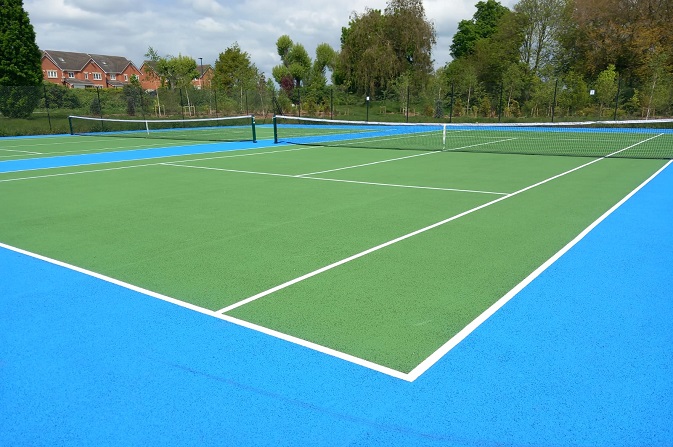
126	78
86	75
52	74
97	77
71	75
113	77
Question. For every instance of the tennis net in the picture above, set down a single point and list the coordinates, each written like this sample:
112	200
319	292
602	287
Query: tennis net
236	128
627	139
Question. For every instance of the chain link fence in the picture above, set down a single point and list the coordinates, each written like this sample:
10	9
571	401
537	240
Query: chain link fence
45	109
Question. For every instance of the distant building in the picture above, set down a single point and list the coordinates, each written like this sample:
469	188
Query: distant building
83	70
205	78
149	79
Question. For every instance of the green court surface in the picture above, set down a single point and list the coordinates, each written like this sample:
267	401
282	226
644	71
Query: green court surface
413	245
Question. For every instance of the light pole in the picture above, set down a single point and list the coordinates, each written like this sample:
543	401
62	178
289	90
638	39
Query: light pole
367	109
201	78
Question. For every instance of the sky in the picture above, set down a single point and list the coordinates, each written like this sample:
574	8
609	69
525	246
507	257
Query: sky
206	28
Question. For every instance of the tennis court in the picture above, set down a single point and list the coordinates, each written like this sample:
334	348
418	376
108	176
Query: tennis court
382	259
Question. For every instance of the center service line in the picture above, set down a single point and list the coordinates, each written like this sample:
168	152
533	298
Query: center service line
414	233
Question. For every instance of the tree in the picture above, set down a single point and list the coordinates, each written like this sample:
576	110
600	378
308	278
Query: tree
606	88
296	63
541	24
484	23
20	63
379	47
235	72
233	69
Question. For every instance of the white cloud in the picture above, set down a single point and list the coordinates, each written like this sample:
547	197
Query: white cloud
205	28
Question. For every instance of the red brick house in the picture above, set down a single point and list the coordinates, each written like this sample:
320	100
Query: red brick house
205	78
83	70
151	81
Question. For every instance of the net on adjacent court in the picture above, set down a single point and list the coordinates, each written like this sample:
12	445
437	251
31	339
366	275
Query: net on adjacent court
237	128
631	139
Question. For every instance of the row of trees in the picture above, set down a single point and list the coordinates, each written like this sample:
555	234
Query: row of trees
619	50
579	58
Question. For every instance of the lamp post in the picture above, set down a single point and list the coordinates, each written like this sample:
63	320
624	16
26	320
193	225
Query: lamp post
367	109
201	78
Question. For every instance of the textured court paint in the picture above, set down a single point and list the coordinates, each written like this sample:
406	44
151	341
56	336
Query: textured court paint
580	357
128	155
219	228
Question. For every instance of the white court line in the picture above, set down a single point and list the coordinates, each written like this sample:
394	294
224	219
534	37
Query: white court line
399	158
314	346
147	164
74	173
22	152
180	165
409	377
474	324
367	164
413	233
480	144
405	186
416	372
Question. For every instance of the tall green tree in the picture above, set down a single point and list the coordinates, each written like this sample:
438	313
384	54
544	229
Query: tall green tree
541	23
379	47
295	63
235	73
20	61
606	88
484	23
234	70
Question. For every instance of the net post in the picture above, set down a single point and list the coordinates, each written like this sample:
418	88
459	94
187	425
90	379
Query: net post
70	124
254	132
444	136
275	130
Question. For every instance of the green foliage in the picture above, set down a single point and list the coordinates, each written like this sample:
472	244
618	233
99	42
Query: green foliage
379	47
484	24
296	63
61	97
20	61
606	87
234	70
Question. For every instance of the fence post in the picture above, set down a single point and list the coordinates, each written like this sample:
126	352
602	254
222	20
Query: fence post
100	109
502	87
408	104
453	92
182	106
331	103
619	87
46	105
553	105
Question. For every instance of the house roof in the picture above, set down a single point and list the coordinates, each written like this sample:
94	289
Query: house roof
72	61
111	64
68	61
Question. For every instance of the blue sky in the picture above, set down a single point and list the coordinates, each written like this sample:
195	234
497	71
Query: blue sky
205	28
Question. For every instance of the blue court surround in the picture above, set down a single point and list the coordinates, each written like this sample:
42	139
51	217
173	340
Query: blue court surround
582	357
28	164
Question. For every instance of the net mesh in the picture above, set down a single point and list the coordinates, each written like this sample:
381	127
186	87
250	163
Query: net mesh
632	139
237	128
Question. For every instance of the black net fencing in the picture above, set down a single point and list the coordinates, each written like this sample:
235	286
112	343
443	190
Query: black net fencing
44	109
